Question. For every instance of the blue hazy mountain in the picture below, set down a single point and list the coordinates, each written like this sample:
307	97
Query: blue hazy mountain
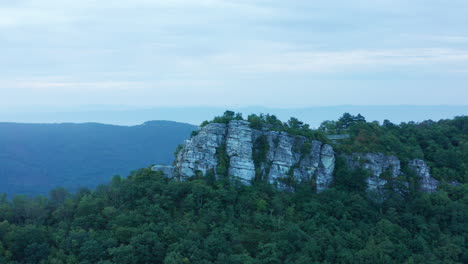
119	115
37	157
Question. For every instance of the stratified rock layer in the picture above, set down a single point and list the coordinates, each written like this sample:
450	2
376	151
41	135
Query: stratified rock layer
283	159
427	183
199	153
287	158
239	148
377	164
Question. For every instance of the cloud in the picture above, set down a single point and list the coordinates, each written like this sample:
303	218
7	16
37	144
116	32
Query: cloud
51	12
192	50
448	39
15	17
336	61
68	85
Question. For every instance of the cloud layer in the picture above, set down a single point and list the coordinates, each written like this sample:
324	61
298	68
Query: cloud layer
262	52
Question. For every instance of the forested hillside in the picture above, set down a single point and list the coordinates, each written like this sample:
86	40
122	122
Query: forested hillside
34	158
443	144
149	219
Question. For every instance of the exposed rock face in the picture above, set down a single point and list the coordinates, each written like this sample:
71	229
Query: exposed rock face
377	164
302	159
199	152
282	158
286	157
327	166
239	147
428	184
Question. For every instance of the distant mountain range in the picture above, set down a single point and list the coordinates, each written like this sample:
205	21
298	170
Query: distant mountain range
34	158
120	115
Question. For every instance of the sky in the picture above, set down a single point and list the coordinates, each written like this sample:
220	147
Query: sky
66	54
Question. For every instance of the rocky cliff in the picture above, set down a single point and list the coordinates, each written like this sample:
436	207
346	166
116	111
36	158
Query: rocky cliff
236	150
377	164
383	167
271	155
420	168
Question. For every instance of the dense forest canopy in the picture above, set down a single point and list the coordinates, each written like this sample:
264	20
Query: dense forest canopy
442	144
148	218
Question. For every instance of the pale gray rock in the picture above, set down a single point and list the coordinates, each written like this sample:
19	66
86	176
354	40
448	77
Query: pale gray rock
310	165
288	157
239	146
280	155
377	164
327	166
422	170
199	152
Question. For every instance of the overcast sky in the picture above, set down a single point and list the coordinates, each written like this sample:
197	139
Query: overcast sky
294	53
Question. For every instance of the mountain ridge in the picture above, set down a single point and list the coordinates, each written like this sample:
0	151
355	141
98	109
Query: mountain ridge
38	157
197	114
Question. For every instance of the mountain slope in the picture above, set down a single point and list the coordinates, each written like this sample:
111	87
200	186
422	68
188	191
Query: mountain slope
37	157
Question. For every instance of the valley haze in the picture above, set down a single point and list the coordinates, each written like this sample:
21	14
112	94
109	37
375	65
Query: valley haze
195	115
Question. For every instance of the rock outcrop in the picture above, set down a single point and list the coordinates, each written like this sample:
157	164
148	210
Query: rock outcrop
239	148
427	183
236	150
382	166
378	165
199	152
281	157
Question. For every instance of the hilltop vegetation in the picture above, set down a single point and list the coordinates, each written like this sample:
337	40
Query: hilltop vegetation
442	144
149	219
270	122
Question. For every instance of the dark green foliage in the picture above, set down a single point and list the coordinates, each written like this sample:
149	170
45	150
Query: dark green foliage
443	144
149	219
204	123
36	158
210	177
255	121
348	179
348	120
271	122
222	168
177	151
260	151
194	133
225	118
293	126
289	181
306	148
